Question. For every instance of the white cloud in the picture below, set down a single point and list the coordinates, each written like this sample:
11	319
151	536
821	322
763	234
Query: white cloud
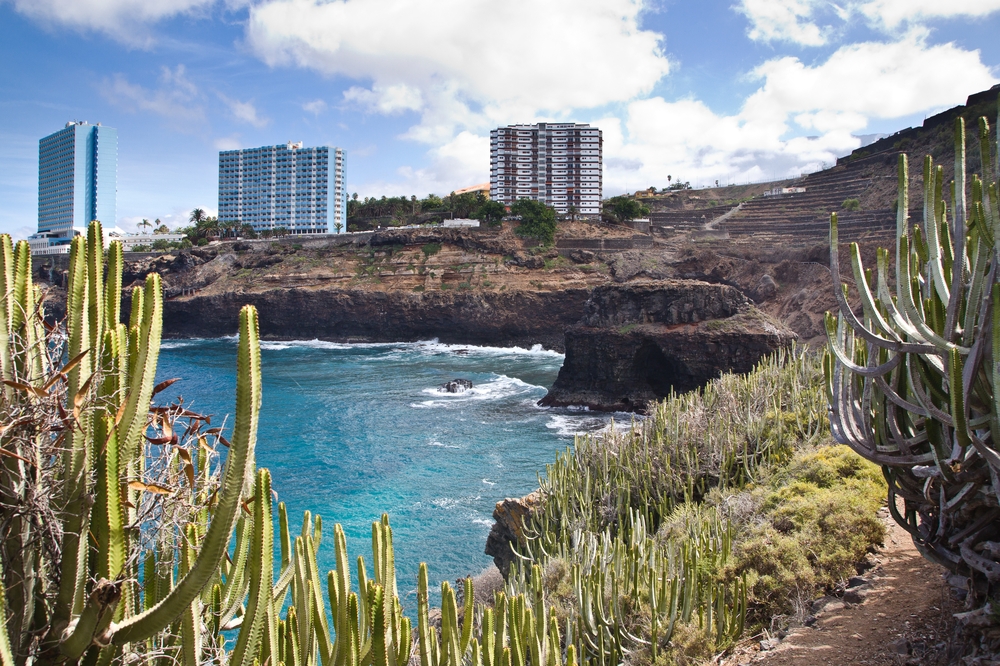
175	99
812	22
892	13
244	111
783	20
123	19
315	107
462	161
831	100
386	99
568	53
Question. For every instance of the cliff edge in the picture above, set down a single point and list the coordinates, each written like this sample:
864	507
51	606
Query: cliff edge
636	343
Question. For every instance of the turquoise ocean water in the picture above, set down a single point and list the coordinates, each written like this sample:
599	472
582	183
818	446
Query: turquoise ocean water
352	431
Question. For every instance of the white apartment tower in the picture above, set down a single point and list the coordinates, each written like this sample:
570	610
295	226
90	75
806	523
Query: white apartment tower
301	189
559	164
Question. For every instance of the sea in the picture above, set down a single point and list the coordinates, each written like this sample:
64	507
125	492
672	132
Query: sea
352	431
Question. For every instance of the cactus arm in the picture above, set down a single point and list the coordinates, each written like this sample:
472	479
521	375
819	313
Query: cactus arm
957	395
423	623
237	584
95	283
142	374
931	231
108	522
905	295
113	287
93	623
835	338
958	231
6	653
73	568
844	306
867	298
239	462
191	638
467	619
6	310
259	624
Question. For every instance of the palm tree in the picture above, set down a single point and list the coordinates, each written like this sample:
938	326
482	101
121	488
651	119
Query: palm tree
198	215
145	223
337	227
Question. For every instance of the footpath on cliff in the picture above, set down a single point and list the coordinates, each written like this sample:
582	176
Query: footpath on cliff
902	611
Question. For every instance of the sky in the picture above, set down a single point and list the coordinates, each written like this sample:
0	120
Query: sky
733	90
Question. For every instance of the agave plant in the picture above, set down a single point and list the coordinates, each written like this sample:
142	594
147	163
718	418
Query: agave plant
914	374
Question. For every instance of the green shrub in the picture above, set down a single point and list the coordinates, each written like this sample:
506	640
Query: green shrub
538	221
430	249
851	204
815	520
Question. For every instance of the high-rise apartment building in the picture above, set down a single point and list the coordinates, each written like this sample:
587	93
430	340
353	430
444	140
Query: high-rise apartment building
559	164
77	182
301	189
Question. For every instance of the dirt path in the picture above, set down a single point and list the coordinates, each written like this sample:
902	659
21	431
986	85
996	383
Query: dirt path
905	617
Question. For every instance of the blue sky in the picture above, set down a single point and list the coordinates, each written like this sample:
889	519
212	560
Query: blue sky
731	90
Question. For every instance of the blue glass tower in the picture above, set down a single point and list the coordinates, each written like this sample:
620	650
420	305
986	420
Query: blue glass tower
300	189
77	179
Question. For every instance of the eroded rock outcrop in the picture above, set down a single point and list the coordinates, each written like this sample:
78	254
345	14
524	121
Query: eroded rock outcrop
511	516
637	343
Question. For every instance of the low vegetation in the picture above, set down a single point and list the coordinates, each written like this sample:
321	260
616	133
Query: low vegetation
725	508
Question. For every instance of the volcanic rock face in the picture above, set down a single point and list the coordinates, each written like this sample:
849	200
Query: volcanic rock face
509	318
637	343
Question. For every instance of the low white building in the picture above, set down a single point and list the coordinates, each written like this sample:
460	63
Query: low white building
131	241
460	222
50	243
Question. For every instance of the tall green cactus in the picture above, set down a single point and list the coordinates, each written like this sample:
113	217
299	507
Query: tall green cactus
75	443
914	374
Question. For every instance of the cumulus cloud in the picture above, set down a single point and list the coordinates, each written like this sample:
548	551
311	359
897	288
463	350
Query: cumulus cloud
125	20
783	20
568	54
812	22
176	98
892	13
244	111
386	99
831	100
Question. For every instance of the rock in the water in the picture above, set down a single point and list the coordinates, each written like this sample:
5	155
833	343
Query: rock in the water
457	386
510	516
637	343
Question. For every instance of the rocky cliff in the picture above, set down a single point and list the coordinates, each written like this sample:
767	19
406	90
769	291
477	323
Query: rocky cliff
505	318
637	343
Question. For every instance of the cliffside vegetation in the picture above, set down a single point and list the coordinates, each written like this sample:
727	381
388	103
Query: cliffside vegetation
726	510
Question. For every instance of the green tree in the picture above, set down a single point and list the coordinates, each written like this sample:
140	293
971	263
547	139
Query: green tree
162	229
161	244
145	223
623	209
337	226
198	215
491	213
538	221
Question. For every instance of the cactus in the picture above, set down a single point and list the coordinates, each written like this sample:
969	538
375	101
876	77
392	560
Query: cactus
75	487
913	376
